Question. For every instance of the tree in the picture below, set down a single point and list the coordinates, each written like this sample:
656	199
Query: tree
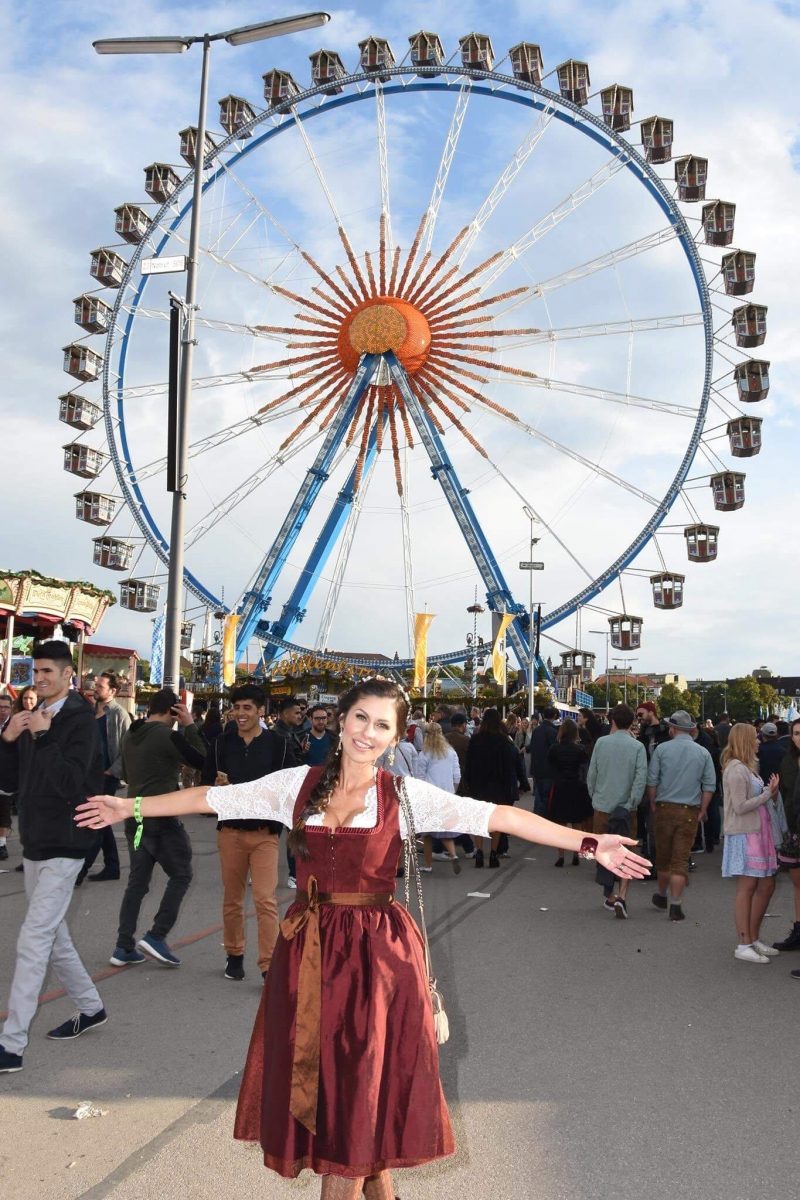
673	698
769	698
598	693
744	699
715	700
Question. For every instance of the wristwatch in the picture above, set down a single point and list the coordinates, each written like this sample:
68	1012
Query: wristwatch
588	848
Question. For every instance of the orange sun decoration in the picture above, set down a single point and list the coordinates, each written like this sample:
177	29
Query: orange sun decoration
435	319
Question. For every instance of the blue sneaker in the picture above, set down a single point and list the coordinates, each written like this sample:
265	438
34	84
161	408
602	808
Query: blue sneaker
9	1062
125	958
75	1026
155	948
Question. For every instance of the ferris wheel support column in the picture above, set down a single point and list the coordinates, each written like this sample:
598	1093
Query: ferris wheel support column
256	600
498	593
294	610
173	609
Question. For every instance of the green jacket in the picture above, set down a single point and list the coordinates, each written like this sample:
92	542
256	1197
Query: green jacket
153	754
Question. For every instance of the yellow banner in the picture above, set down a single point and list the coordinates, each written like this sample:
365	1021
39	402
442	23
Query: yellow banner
422	623
499	650
229	649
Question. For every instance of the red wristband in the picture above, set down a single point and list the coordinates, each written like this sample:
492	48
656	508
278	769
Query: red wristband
588	848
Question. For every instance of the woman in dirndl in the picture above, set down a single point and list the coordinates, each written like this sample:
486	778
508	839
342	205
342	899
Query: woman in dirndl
342	1074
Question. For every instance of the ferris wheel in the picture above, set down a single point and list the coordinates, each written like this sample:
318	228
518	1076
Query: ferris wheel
438	298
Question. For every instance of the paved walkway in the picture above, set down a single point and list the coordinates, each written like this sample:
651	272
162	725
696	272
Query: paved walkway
589	1057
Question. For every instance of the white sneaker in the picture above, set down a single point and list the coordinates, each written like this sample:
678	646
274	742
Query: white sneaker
427	870
291	882
763	948
440	856
749	954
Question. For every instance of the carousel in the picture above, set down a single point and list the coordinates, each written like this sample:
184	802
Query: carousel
34	607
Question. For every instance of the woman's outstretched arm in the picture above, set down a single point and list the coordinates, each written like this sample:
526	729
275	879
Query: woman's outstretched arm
99	811
612	851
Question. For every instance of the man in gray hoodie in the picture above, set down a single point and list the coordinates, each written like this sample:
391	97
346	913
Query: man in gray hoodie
152	756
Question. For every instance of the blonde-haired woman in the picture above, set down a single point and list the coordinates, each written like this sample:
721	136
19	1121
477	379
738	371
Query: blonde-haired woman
749	853
438	764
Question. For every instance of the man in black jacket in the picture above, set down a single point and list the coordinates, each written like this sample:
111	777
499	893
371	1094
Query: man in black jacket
51	758
152	756
248	847
542	738
652	732
295	743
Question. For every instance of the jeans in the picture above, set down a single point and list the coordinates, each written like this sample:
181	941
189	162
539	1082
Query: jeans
541	800
105	839
44	938
168	845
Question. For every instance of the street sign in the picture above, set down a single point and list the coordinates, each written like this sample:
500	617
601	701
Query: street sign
531	566
164	266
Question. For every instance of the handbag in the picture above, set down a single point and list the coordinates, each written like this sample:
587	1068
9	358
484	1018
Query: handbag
441	1025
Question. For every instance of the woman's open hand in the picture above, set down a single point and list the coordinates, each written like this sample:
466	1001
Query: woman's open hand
99	811
615	854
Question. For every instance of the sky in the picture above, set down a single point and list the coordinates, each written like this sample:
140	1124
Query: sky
80	128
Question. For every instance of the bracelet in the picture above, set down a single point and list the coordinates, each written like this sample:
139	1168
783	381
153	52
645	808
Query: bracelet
588	848
139	819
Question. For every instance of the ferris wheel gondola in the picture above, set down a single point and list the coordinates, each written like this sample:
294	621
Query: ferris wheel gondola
404	351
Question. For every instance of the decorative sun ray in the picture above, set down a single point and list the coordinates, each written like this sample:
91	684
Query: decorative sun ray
440	324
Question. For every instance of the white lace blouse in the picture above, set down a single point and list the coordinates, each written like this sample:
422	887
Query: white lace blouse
273	797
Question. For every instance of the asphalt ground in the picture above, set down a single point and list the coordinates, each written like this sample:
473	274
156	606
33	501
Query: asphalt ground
589	1057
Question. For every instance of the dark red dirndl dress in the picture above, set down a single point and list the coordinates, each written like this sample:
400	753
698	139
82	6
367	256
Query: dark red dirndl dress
377	1101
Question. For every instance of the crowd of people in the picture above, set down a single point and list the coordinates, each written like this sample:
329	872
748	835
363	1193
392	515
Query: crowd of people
675	786
318	1072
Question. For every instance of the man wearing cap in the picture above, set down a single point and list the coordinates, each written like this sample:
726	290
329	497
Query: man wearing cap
770	752
680	784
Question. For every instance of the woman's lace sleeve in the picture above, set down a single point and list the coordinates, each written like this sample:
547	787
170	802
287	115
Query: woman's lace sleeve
270	798
434	808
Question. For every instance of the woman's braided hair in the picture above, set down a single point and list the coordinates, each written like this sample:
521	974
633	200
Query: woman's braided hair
376	685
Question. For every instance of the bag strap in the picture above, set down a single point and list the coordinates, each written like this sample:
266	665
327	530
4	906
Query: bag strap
411	863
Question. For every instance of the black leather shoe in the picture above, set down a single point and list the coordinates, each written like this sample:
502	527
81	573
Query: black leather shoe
478	858
792	942
494	861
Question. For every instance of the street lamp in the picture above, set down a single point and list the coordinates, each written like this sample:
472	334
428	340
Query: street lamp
626	670
606	633
240	36
474	643
530	567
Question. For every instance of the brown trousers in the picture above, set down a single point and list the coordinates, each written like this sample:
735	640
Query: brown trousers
252	852
676	829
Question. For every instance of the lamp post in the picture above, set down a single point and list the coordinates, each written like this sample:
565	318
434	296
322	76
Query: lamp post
475	610
606	634
626	670
530	567
241	36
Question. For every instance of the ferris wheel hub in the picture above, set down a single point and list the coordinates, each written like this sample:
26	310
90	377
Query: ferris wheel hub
383	324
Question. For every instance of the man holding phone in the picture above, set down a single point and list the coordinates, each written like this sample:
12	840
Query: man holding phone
248	848
153	753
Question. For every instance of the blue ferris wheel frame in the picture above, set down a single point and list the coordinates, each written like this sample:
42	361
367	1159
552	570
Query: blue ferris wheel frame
526	94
